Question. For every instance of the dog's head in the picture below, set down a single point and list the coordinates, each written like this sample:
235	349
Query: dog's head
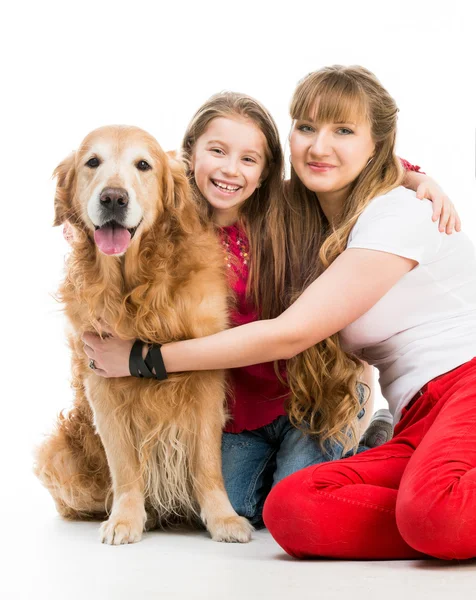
117	185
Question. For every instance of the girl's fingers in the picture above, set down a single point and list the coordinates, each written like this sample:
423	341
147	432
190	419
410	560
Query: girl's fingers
444	216
451	224
421	192
457	223
437	213
438	205
447	206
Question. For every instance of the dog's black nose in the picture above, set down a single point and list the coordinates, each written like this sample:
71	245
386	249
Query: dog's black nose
114	198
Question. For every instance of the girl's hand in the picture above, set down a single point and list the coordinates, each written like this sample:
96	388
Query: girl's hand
110	354
443	208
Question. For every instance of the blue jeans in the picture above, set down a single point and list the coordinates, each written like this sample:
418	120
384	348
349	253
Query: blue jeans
254	461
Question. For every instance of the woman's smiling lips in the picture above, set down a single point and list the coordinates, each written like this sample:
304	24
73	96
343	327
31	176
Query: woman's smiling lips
320	167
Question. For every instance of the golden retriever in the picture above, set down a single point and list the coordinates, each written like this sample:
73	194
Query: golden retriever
141	263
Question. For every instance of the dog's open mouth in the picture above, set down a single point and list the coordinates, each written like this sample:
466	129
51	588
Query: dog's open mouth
113	238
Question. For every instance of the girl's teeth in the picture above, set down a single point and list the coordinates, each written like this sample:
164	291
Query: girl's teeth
226	187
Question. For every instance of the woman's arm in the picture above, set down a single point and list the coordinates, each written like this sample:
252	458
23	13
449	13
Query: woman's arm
354	282
368	378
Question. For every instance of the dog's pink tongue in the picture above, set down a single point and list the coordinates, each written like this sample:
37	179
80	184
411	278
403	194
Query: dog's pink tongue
112	239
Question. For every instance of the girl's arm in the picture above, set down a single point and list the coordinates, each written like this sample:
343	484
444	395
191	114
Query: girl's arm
426	187
354	282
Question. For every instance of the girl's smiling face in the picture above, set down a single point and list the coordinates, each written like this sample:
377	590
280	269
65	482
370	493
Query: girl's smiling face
228	162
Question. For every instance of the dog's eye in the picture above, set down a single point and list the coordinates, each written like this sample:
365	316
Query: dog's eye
93	163
142	165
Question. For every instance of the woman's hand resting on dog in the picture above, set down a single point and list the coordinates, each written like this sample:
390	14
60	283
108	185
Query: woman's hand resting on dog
110	354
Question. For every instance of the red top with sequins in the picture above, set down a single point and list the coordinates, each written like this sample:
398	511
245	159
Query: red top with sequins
257	396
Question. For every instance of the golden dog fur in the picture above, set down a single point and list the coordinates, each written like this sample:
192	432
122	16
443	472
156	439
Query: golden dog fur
159	443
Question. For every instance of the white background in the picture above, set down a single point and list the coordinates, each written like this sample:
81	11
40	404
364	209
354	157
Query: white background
68	67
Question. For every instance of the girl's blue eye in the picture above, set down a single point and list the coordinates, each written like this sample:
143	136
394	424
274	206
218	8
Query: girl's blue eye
347	131
249	159
217	150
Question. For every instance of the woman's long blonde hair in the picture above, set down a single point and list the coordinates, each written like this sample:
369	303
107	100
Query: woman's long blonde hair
323	379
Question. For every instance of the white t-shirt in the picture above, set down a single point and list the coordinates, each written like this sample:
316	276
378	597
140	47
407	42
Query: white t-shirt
426	324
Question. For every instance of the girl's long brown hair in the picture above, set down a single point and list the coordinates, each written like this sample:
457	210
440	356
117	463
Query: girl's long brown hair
258	213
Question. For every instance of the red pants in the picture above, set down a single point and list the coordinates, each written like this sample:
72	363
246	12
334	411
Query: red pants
412	497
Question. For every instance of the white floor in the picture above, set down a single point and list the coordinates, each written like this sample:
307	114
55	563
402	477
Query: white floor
48	558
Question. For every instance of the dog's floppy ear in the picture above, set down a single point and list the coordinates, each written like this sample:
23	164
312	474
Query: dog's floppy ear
64	174
177	185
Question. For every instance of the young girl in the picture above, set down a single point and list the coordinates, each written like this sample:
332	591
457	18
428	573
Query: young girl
236	168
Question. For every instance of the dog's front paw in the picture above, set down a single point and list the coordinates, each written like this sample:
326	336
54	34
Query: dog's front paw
121	530
231	529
